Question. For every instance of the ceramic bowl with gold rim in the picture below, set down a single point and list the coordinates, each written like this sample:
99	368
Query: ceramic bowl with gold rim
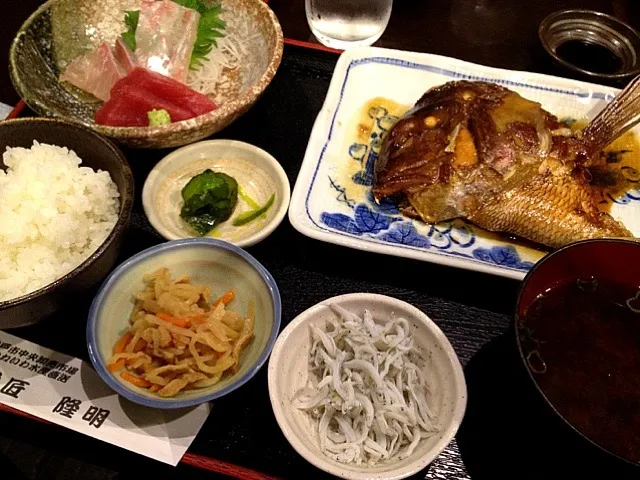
258	174
60	30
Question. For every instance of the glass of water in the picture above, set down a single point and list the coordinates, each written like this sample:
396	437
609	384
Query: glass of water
348	23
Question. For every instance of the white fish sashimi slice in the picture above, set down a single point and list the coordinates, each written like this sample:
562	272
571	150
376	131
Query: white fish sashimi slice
94	72
124	56
165	37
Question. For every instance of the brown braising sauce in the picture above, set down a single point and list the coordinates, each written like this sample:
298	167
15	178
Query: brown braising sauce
616	171
582	342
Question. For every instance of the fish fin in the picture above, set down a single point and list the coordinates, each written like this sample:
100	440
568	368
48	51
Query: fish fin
549	209
619	116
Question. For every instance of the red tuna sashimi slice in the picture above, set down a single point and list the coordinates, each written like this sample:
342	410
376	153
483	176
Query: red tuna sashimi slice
167	88
165	37
95	72
129	106
124	56
121	112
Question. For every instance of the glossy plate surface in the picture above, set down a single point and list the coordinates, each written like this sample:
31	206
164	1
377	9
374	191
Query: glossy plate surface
332	198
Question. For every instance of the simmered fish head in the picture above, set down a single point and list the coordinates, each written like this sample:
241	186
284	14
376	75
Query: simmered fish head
467	145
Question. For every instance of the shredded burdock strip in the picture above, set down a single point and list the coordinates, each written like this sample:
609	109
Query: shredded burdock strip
246	334
178	340
371	399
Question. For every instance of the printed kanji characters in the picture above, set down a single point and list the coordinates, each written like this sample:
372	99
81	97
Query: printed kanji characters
96	416
14	387
67	407
42	360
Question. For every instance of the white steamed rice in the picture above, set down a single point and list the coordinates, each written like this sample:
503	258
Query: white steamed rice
53	215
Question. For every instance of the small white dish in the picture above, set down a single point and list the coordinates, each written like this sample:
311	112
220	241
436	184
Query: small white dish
256	171
288	373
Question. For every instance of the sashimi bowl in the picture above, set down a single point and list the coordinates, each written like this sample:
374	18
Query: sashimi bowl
233	75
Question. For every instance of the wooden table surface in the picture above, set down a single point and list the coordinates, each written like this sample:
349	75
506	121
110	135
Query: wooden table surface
498	33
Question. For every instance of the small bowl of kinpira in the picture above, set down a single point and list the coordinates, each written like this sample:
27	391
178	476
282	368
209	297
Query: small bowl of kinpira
577	327
222	189
183	323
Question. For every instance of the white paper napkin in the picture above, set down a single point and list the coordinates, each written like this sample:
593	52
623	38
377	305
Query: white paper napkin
67	391
4	110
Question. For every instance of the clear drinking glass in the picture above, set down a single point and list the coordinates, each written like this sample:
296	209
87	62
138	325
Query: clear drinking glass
348	23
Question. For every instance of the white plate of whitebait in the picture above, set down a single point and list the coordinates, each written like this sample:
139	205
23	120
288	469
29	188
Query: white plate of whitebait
366	386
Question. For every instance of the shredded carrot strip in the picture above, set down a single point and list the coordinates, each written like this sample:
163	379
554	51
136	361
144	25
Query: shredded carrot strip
199	320
122	343
178	322
115	366
226	298
140	345
137	381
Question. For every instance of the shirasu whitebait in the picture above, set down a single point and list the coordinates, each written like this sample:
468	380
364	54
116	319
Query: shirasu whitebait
368	394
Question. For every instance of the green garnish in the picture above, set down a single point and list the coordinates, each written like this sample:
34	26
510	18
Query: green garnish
209	28
250	201
131	18
158	117
246	217
209	199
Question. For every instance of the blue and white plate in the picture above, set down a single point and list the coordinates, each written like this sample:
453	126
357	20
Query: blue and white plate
370	88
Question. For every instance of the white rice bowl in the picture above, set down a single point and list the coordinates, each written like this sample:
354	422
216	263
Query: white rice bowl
54	214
